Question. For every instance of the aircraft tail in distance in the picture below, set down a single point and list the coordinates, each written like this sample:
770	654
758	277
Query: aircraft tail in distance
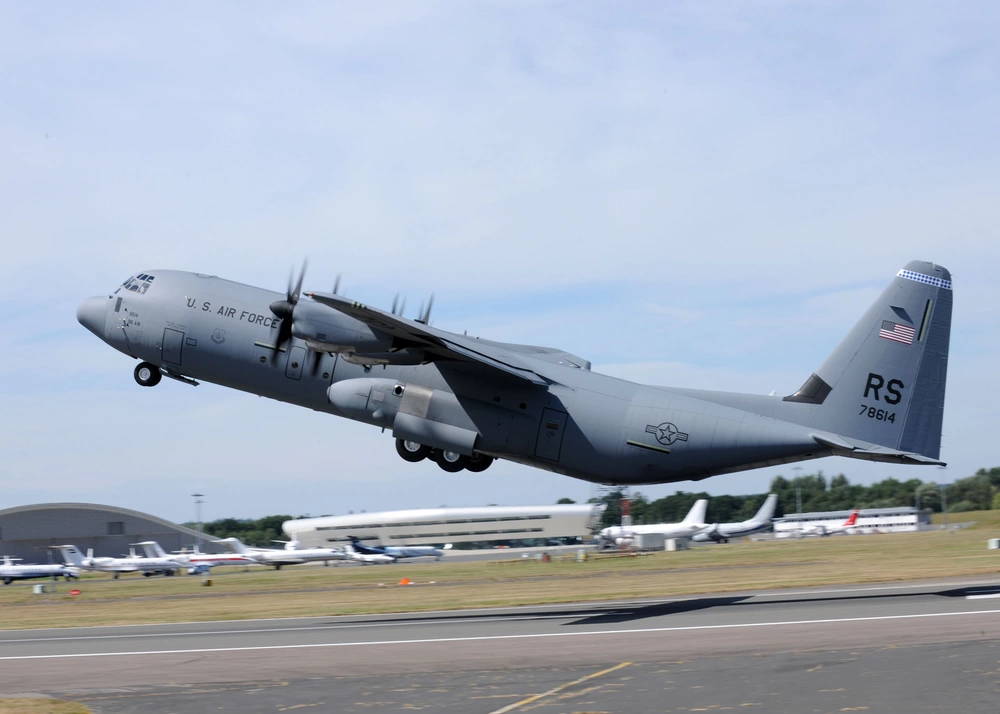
234	545
766	510
697	513
71	554
152	549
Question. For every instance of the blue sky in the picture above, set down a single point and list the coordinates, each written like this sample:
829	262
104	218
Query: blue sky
693	194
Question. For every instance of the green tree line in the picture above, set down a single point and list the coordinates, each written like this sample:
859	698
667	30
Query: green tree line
816	492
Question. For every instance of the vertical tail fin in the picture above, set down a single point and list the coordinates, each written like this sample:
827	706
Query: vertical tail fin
766	510
235	545
697	513
70	554
885	382
152	549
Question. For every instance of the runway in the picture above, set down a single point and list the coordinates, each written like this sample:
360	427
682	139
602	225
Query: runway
924	644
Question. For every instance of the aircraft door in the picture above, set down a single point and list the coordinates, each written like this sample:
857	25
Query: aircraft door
172	346
551	430
296	358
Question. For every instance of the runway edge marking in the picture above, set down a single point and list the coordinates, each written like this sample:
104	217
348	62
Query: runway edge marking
509	637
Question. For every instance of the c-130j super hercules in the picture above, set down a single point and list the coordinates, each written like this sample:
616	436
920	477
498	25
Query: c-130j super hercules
463	401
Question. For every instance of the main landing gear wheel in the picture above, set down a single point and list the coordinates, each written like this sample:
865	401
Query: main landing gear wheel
147	375
451	461
479	462
411	450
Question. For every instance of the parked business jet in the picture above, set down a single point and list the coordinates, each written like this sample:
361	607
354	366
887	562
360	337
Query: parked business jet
196	562
693	522
722	532
397	551
131	564
9	572
289	555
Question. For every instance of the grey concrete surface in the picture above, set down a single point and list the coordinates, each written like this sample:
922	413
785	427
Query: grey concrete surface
825	649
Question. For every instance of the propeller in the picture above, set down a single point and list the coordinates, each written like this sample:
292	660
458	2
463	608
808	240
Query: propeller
425	312
285	308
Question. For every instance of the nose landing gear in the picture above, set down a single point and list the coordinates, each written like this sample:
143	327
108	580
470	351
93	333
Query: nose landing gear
147	375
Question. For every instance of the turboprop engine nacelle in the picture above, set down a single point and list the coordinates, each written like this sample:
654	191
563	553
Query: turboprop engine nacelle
367	399
327	331
427	416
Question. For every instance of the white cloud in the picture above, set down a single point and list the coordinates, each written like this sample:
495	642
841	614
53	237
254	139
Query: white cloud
674	192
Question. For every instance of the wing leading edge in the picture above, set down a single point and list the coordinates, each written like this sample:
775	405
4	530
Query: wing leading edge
438	344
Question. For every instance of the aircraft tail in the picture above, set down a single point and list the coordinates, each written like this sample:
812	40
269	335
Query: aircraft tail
853	519
71	555
885	383
766	510
152	549
235	545
697	513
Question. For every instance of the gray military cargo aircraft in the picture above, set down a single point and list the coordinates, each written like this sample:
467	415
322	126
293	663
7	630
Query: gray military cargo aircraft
463	401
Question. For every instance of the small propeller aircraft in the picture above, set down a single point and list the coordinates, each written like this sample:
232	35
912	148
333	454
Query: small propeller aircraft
464	401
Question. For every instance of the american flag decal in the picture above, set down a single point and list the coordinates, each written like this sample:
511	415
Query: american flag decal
895	331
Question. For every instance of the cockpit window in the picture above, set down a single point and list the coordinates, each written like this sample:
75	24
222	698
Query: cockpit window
137	284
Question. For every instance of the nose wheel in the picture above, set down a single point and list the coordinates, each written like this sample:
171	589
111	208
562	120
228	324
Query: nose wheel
147	375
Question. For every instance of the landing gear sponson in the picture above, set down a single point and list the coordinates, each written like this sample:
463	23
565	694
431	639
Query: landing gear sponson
450	461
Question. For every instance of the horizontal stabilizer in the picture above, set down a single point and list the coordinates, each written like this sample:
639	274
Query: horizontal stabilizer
870	452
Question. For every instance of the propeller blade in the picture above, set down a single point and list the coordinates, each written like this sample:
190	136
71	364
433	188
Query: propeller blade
285	309
425	316
395	303
293	295
336	284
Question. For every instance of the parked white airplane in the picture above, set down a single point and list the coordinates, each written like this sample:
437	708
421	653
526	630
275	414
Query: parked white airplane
132	564
398	551
290	554
10	572
693	522
822	530
722	532
196	562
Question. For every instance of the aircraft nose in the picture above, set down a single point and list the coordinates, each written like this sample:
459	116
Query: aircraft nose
91	313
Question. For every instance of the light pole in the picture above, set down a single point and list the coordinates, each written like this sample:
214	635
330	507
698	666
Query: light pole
197	514
798	490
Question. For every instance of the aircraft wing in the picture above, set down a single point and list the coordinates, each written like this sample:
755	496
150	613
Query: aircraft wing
439	344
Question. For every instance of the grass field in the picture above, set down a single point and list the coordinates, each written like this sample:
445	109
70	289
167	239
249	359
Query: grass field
306	591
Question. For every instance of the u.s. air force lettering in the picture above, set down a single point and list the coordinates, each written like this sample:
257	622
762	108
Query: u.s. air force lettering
666	433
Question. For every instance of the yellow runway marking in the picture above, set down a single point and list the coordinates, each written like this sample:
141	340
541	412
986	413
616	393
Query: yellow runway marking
556	690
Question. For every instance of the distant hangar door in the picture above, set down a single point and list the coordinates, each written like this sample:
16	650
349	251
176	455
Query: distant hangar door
551	430
172	346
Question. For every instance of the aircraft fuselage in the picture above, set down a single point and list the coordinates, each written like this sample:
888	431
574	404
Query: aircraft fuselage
584	424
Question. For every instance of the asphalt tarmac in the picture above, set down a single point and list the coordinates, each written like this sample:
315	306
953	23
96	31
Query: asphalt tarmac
926	647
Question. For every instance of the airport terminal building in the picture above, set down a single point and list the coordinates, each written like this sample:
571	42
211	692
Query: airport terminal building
27	532
437	526
870	520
